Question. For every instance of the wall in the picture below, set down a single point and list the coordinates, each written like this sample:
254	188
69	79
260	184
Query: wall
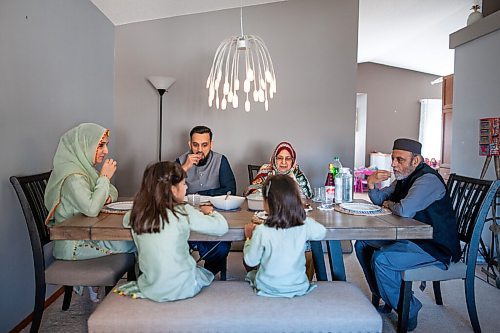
313	47
476	86
56	66
393	103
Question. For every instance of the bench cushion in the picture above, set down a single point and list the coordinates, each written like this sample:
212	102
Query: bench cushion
232	306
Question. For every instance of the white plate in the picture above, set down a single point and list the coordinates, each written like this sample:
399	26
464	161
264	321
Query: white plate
121	205
360	207
261	215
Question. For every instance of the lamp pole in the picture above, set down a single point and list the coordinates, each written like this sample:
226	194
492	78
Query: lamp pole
161	84
161	92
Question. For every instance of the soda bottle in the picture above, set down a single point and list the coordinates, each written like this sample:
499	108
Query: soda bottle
330	183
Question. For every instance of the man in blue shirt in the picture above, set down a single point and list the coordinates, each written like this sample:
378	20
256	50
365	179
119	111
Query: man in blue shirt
208	173
418	192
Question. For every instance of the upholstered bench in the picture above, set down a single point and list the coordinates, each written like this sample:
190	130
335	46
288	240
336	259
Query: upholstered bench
232	306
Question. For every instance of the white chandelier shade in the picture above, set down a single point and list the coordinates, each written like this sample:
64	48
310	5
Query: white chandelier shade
260	81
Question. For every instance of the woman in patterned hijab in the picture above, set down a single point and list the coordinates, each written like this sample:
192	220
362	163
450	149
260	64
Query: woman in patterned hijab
283	161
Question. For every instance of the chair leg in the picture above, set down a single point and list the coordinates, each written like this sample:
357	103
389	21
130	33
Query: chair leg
68	292
131	274
39	307
404	306
107	289
223	271
437	292
471	304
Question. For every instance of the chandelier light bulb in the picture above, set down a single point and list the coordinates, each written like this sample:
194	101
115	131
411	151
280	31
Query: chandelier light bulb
250	75
235	101
224	103
246	86
255	96
247	106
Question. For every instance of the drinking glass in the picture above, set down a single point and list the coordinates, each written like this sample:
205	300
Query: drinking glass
326	199
194	199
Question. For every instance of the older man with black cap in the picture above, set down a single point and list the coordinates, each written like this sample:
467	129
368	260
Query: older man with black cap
418	192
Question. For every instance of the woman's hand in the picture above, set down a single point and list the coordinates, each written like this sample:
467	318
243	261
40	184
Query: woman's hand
249	227
108	168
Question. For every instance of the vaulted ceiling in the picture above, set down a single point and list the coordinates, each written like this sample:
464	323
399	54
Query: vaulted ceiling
411	34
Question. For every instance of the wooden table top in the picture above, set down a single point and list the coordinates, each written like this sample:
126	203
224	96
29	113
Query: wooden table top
339	226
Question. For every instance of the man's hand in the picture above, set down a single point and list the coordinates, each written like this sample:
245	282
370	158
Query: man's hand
192	159
249	227
377	177
108	168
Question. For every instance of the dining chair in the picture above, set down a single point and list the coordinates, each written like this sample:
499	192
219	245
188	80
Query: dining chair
252	172
471	200
103	271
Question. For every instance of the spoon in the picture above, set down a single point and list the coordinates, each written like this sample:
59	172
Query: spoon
227	195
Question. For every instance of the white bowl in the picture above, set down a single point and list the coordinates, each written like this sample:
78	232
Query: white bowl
255	201
232	202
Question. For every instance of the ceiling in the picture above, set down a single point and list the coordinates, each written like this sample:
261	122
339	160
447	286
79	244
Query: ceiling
411	34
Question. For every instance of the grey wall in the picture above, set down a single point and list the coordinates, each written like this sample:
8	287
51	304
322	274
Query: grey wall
56	70
476	94
313	46
393	103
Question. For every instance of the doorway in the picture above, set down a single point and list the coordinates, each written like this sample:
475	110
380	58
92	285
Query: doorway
360	131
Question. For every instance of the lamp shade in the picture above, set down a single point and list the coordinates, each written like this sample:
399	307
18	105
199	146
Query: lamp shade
161	82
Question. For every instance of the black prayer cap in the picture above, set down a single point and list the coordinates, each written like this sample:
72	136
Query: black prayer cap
407	145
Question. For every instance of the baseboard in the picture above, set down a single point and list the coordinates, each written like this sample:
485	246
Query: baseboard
26	321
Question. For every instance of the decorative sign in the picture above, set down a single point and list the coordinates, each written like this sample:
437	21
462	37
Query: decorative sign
489	137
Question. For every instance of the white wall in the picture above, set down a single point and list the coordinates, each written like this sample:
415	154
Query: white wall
56	70
313	46
393	109
476	87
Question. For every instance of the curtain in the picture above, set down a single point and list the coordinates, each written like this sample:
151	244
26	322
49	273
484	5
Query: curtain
431	126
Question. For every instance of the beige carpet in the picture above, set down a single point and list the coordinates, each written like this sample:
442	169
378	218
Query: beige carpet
452	317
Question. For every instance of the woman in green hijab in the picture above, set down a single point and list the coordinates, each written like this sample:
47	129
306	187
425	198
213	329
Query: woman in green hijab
76	187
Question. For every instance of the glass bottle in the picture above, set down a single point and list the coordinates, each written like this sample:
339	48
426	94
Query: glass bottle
337	166
330	183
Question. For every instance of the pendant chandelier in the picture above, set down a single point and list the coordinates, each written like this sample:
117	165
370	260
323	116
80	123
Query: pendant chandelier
259	83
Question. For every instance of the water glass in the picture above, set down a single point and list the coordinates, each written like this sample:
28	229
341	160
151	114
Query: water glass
316	194
326	199
194	199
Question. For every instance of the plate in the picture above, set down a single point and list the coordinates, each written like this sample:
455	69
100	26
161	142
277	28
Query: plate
120	205
360	207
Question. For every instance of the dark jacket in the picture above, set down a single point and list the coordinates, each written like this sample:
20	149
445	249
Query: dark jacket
445	244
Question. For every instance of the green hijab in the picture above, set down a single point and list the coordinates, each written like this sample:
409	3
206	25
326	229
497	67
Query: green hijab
75	154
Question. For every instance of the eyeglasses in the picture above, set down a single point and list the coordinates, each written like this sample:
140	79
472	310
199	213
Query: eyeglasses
286	159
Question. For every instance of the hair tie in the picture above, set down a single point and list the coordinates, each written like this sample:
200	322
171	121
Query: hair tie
164	179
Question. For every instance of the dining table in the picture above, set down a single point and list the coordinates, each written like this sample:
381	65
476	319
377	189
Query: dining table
339	226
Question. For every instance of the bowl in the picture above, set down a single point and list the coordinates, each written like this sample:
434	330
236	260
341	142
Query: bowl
255	201
232	202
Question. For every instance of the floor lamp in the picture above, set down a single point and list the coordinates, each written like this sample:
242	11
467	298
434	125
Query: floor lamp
161	84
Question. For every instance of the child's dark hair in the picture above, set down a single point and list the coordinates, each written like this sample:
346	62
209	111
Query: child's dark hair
285	205
155	197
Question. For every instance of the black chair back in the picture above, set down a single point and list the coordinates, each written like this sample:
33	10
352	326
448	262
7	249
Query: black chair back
30	191
252	172
467	195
